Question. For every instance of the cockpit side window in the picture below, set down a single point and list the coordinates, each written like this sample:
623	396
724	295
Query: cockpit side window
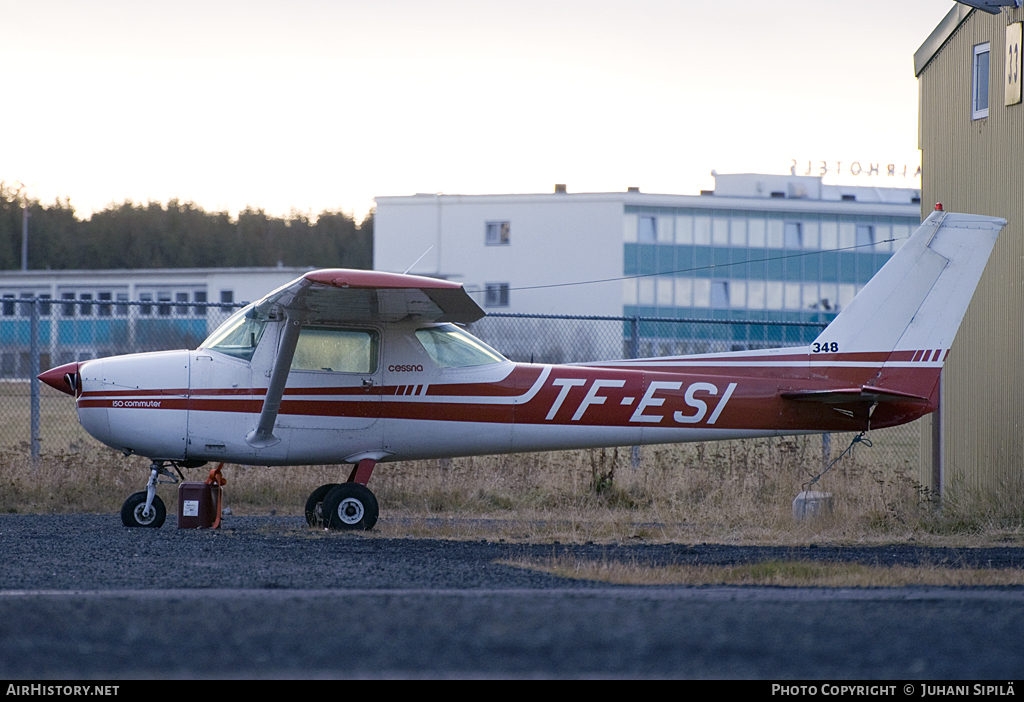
337	350
239	335
450	347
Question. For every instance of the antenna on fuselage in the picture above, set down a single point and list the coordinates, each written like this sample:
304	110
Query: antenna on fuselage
418	259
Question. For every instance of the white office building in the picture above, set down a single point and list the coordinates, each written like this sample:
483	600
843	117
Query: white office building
758	247
85	314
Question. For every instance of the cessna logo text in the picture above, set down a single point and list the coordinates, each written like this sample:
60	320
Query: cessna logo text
135	403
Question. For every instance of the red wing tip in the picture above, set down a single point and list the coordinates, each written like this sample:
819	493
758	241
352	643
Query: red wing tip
346	278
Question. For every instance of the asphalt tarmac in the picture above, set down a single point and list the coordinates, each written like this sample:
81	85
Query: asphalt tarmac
81	597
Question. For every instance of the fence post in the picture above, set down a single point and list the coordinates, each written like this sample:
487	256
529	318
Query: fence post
634	352
33	364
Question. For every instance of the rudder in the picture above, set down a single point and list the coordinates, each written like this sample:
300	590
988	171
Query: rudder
917	300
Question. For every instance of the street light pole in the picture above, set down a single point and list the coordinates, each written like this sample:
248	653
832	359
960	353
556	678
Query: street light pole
23	191
24	234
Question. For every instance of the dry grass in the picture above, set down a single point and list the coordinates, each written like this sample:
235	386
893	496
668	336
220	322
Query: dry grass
725	492
775	573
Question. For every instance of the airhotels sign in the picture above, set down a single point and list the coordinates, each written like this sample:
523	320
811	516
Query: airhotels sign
822	168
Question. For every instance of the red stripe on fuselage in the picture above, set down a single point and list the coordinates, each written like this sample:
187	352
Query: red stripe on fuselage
731	396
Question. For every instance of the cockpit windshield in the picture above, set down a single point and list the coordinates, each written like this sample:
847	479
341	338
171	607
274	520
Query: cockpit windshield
450	347
239	335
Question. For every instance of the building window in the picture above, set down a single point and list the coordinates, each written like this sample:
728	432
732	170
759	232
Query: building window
647	230
68	308
181	297
979	94
145	309
86	307
498	233
720	294
793	235
200	296
105	310
227	297
164	310
865	235
496	295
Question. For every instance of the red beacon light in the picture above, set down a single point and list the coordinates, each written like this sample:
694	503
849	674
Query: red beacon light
938	207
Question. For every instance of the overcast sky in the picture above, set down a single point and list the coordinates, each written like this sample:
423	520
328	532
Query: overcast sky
317	104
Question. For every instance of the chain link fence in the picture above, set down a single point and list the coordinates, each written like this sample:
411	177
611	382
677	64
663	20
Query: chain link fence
40	333
572	339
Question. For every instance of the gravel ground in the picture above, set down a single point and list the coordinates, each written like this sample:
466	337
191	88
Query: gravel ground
83	597
94	552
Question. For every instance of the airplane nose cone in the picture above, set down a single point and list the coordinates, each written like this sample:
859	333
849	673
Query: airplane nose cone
64	378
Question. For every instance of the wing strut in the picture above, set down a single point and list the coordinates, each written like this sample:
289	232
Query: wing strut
263	435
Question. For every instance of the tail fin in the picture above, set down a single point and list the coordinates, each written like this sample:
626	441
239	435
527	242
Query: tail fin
916	302
904	320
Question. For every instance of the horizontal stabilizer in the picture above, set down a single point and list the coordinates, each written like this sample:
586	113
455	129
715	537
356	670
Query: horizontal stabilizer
865	393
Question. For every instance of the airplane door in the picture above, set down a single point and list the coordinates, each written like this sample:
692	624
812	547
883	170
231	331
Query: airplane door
221	407
332	403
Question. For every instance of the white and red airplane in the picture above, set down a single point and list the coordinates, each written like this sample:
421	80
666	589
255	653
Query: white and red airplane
361	367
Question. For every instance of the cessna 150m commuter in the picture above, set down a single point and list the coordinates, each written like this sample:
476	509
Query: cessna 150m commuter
361	367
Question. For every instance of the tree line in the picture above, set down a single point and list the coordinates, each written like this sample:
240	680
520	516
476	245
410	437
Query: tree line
177	235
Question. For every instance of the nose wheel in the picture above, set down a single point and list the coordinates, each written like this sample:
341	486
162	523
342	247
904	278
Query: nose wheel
146	509
135	514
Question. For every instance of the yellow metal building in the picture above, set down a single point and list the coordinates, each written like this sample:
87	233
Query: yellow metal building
971	136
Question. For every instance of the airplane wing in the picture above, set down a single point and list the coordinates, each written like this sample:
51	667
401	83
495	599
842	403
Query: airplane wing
336	295
342	295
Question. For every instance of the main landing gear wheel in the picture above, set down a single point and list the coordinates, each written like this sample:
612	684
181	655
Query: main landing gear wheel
132	511
350	506
315	505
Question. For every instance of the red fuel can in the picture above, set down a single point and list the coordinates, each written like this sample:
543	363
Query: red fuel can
197	505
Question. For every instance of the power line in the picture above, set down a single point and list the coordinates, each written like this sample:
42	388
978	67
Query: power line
701	268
